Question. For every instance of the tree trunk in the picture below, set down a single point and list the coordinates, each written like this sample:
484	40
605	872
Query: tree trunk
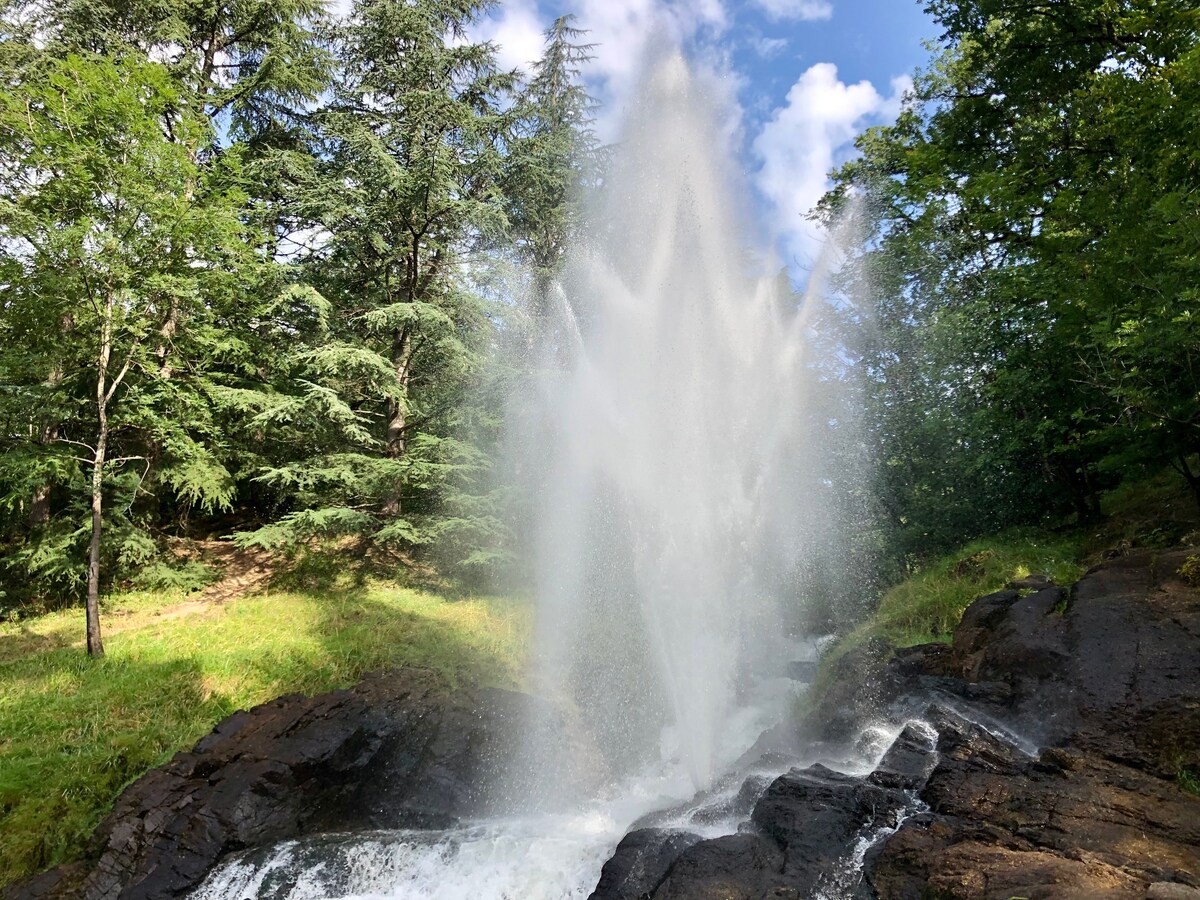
39	503
1192	478
397	412
95	645
39	506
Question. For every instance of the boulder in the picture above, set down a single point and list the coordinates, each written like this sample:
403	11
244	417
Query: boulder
640	863
734	867
397	750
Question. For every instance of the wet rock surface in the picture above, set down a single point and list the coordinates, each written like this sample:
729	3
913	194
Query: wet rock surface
1041	759
640	863
395	751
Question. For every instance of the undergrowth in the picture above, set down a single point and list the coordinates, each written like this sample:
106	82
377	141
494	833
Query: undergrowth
74	732
928	606
1189	781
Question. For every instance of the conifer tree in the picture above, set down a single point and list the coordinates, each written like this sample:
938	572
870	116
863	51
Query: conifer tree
555	157
408	187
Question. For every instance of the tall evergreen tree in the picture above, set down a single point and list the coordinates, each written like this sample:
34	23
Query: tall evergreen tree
408	186
555	155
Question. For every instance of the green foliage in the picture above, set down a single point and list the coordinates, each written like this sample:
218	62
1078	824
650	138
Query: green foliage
555	155
177	577
1189	781
74	732
928	605
1033	261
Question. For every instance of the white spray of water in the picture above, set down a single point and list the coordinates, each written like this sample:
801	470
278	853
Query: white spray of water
682	477
679	471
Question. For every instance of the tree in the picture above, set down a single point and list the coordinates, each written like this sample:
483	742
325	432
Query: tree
406	186
554	157
109	230
1026	246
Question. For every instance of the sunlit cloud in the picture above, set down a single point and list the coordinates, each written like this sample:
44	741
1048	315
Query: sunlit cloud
800	10
804	139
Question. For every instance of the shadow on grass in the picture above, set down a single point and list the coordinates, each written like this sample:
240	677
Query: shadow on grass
324	570
468	641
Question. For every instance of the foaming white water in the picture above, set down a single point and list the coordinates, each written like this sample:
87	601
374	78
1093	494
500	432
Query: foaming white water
555	856
537	857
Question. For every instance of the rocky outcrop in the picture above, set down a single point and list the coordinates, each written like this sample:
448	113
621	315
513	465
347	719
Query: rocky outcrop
640	863
397	750
1040	762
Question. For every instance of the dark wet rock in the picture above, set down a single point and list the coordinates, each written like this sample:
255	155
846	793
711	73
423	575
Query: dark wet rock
731	799
922	661
909	761
1061	825
861	685
640	863
815	813
796	839
1107	679
735	867
1110	664
397	750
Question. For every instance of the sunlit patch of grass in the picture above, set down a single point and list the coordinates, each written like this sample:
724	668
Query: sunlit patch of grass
74	732
928	606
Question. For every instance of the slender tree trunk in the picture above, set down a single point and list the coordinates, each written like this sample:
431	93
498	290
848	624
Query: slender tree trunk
39	506
1192	478
95	644
397	412
166	335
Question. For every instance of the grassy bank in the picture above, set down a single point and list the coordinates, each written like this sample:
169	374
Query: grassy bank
74	732
1155	512
929	605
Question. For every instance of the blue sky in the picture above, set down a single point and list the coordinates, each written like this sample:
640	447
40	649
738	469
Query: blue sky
801	77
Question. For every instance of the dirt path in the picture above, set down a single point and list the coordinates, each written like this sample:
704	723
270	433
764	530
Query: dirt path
242	572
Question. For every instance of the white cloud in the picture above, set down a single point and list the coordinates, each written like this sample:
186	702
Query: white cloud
803	10
768	48
518	32
802	141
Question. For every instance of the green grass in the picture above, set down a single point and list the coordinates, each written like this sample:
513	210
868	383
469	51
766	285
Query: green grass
928	606
74	732
1189	781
